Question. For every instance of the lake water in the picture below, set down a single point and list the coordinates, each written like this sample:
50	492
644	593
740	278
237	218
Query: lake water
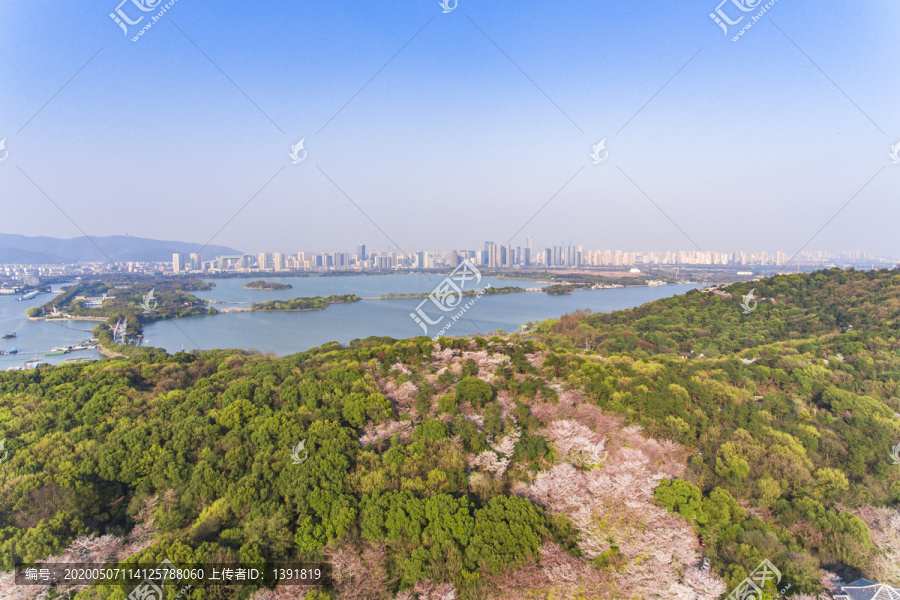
34	339
288	332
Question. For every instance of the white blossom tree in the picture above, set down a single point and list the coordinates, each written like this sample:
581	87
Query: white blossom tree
576	443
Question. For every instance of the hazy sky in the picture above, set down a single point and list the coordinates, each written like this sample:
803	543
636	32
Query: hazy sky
452	129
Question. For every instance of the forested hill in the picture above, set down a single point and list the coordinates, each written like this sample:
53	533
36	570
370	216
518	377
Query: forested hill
787	307
474	469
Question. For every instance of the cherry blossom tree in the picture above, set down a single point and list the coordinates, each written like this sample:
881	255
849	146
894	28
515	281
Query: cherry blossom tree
429	590
360	573
378	434
613	510
576	443
497	459
884	525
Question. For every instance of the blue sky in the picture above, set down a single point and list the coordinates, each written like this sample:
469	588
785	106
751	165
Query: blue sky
451	143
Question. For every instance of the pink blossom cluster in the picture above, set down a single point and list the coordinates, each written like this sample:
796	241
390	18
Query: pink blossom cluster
281	592
613	506
884	524
401	368
486	361
378	434
536	359
402	396
429	590
92	549
497	459
360	572
576	443
441	356
664	457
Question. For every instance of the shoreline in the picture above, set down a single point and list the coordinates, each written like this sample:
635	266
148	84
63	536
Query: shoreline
97	319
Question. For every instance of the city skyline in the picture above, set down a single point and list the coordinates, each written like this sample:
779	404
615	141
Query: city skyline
493	257
496	256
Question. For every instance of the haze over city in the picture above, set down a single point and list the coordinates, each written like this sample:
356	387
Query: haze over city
433	130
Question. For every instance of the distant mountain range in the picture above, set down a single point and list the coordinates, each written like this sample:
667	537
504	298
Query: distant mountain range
120	248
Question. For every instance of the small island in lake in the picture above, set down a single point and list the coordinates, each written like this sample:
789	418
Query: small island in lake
267	285
296	304
487	291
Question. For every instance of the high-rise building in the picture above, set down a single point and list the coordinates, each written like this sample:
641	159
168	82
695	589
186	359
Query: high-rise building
491	254
278	262
264	261
196	262
177	263
340	259
360	253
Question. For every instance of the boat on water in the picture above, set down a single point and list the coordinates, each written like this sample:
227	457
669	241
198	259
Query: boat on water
9	352
9	335
29	296
59	351
84	345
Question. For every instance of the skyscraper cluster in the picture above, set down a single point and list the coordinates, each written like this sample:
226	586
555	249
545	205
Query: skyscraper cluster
498	256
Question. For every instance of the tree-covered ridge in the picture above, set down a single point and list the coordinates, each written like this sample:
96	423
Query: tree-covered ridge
787	307
266	285
798	427
308	303
206	439
499	468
